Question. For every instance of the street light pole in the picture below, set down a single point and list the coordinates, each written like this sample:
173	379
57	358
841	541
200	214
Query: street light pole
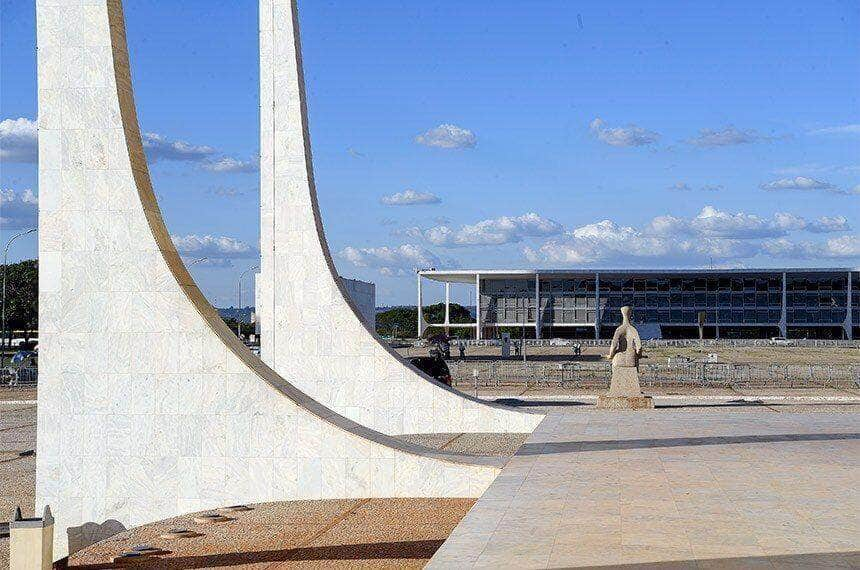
5	264
239	308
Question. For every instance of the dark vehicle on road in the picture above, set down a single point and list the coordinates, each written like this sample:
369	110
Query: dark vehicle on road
434	367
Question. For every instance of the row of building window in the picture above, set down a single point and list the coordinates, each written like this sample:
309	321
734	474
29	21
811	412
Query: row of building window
676	284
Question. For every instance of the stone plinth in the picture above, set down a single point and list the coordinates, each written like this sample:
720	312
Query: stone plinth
625	402
31	541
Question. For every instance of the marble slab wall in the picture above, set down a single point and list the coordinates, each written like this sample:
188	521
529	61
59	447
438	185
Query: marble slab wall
148	406
310	329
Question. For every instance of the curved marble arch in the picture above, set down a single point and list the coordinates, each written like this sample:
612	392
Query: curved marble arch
311	332
148	405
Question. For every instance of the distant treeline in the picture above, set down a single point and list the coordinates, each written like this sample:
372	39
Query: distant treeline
402	322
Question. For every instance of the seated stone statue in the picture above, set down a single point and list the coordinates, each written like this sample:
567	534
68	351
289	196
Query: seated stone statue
626	347
625	352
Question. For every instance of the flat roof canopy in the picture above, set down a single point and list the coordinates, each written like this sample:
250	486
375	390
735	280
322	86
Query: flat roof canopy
469	275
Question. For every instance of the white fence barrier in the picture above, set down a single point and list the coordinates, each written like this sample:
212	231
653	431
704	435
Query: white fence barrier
681	343
703	374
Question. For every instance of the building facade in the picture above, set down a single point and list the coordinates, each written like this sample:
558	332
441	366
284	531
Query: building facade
747	303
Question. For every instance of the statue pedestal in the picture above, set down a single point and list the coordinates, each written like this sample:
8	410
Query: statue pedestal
624	391
625	403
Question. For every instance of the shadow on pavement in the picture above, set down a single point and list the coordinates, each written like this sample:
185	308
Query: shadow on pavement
614	444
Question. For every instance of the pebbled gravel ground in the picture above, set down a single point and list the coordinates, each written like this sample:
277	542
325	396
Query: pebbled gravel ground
496	444
355	533
17	471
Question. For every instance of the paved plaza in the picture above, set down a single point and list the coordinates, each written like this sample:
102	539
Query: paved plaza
675	487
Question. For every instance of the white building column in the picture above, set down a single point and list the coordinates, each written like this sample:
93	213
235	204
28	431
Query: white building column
783	315
849	317
477	306
597	306
421	324
537	306
447	307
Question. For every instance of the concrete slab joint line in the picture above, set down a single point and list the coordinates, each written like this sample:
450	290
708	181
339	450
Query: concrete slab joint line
310	330
181	417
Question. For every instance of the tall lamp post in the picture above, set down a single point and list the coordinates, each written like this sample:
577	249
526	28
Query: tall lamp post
5	264
239	308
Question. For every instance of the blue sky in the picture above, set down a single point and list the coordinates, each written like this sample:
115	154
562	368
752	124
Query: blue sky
503	134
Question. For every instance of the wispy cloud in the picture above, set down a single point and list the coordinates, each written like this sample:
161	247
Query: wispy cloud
727	136
18	140
410	197
680	187
852	130
496	231
158	147
447	136
220	250
230	164
225	192
398	260
807	183
18	210
630	135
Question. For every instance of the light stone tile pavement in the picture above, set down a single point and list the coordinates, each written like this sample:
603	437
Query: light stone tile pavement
704	490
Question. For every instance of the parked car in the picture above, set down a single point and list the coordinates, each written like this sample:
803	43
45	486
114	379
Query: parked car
434	367
780	341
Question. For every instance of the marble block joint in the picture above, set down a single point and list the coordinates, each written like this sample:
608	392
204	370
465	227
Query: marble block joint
310	330
625	393
178	416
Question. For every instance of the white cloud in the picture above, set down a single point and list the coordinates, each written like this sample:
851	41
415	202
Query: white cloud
727	136
843	247
630	135
496	231
684	187
18	140
225	192
230	164
447	136
711	222
680	186
18	210
797	183
220	250
399	260
409	198
158	147
853	129
710	235
828	224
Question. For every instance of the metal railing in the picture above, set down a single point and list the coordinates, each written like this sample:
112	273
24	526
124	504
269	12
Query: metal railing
497	373
18	377
680	343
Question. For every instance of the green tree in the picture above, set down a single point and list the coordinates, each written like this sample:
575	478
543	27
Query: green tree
22	297
247	328
402	322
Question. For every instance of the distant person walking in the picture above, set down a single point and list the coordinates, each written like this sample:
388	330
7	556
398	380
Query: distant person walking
462	348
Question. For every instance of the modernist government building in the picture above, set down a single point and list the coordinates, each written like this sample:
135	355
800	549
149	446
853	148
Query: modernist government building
737	303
